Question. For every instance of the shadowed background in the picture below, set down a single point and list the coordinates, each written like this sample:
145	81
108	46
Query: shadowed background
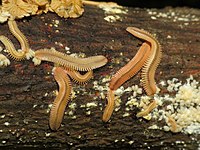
157	3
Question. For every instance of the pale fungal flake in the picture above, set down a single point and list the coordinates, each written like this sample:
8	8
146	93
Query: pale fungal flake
112	18
4	61
3	15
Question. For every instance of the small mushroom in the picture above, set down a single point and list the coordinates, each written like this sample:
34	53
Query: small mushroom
67	8
3	15
43	5
41	2
19	8
76	8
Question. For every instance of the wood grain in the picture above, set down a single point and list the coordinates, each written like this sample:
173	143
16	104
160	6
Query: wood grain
23	87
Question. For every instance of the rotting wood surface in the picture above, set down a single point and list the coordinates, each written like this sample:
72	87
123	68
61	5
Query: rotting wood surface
23	87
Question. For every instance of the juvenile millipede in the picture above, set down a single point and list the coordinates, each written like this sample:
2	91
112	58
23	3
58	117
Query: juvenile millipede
149	108
172	123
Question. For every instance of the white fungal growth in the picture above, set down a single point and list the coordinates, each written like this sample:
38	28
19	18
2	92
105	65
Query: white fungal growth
184	107
180	111
36	61
91	104
136	90
4	61
30	54
6	123
3	16
173	85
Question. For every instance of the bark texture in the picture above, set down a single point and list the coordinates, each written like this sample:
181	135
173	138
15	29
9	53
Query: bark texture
26	90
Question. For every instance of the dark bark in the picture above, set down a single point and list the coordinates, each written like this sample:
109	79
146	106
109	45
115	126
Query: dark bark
23	85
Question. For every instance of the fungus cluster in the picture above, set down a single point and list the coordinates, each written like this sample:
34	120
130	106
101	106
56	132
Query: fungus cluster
22	8
67	8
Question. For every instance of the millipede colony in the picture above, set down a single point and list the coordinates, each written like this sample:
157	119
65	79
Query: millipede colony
66	67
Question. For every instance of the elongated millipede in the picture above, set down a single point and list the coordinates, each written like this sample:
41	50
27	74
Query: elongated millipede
148	57
79	78
17	55
61	100
81	64
125	73
130	69
109	107
148	71
19	35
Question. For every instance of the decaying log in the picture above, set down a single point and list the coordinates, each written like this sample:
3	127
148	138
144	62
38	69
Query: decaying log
26	91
